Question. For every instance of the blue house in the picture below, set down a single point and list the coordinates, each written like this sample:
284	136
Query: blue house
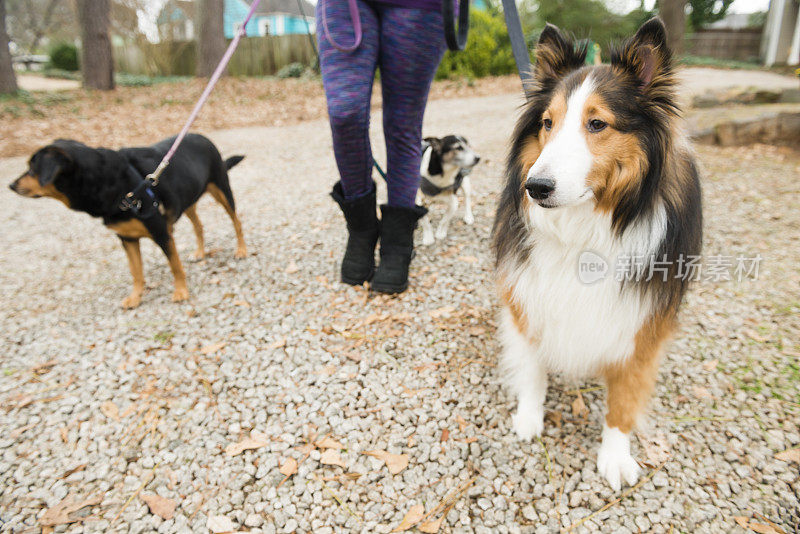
272	17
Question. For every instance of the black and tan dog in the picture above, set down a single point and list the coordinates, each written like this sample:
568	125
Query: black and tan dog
97	180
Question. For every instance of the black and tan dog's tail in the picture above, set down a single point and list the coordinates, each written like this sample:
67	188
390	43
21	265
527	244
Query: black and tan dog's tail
233	161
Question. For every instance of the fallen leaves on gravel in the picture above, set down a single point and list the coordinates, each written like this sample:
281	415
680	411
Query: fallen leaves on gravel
163	507
394	462
255	441
329	443
789	455
60	514
211	349
431	527
110	410
289	467
332	457
219	524
579	408
74	470
656	448
761	528
412	517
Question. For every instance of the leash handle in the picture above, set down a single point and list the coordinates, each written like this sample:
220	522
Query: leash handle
354	17
456	41
155	175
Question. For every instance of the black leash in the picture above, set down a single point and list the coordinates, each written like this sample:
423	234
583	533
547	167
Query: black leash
518	45
456	41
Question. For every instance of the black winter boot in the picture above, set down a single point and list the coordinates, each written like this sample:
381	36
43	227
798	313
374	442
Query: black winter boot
358	264
397	247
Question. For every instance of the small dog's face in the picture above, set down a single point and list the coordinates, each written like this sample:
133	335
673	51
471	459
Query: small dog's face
455	150
44	167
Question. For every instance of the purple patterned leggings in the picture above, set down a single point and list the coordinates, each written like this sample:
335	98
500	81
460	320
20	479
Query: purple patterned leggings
407	44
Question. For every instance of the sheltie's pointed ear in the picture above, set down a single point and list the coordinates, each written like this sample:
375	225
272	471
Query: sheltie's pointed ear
556	55
647	56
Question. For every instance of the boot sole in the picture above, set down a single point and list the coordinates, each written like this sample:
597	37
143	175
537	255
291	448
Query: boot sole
392	290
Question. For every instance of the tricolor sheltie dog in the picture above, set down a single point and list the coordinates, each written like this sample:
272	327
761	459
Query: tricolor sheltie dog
598	176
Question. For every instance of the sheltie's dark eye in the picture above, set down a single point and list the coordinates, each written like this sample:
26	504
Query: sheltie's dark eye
596	125
548	124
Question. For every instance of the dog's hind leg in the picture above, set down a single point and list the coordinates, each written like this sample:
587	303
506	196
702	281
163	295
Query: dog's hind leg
134	254
467	187
441	230
226	199
191	212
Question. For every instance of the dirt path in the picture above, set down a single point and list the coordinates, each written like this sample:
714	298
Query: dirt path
99	401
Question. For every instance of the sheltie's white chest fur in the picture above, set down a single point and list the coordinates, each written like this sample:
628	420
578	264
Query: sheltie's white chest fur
576	327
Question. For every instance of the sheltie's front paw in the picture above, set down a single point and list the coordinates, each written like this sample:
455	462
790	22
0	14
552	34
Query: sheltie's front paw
614	460
528	424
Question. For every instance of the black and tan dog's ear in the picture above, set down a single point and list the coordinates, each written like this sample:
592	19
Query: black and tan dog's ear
436	144
647	56
49	162
556	55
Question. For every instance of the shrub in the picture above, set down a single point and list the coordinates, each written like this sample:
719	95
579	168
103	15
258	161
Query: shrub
292	70
64	56
488	51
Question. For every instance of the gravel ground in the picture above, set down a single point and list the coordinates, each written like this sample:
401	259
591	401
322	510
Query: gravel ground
108	406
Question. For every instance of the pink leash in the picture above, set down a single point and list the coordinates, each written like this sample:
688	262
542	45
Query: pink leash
209	87
354	16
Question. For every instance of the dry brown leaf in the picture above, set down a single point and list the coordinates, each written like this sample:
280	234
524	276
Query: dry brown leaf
255	441
476	331
441	312
75	469
412	517
292	268
110	410
329	443
445	435
579	408
242	303
431	527
64	432
656	448
468	259
394	462
710	365
462	424
289	467
701	392
211	349
331	457
219	524
763	529
60	513
160	506
278	344
741	520
789	455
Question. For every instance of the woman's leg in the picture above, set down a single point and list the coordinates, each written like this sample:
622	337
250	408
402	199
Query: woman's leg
411	47
347	78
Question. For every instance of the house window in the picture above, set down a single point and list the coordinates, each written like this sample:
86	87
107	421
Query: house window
264	27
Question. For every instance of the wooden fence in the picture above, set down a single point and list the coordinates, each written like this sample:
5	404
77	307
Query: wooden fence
256	56
741	45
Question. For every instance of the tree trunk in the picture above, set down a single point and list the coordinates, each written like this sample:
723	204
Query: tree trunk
97	62
210	36
673	13
8	80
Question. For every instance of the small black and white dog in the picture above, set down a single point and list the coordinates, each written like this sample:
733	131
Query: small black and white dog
445	168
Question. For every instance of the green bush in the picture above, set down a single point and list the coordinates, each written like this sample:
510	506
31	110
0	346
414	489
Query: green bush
488	51
64	56
292	70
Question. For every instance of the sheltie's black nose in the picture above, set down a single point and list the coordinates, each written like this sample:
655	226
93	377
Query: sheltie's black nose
540	188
